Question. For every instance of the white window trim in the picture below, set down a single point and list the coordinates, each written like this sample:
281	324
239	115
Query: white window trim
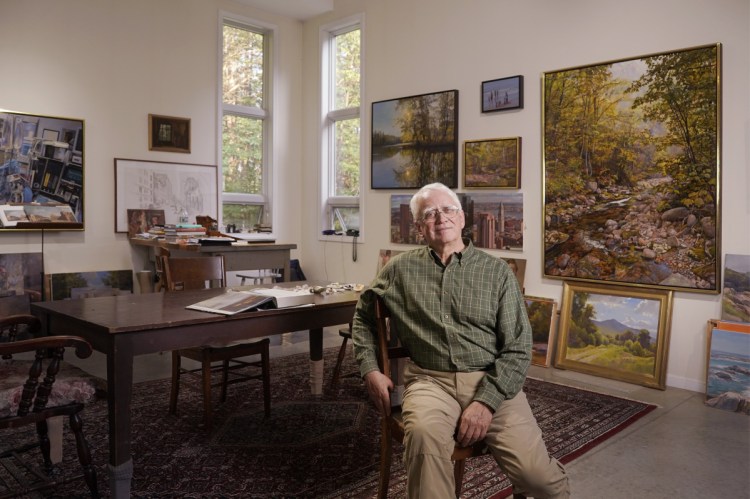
326	143
266	197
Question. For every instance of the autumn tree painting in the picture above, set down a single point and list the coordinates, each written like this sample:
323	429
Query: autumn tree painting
631	155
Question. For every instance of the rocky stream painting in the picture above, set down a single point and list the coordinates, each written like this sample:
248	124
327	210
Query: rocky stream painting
631	171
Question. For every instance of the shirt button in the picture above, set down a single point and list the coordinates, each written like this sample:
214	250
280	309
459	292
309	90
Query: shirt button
446	316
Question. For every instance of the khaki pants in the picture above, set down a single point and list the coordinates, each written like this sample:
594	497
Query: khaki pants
433	402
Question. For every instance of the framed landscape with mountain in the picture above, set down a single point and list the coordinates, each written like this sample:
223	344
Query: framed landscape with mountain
631	153
616	332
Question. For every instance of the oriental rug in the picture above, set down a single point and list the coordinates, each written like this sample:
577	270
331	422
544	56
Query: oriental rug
311	447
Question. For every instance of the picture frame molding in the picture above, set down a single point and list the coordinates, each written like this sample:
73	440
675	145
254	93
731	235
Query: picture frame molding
503	84
656	379
177	129
509	142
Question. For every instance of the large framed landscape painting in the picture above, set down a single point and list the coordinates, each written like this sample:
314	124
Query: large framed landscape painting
415	141
616	332
631	171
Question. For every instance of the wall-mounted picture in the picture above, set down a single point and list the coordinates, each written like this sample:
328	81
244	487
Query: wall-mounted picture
631	171
735	300
728	366
415	141
615	332
159	185
492	163
494	220
168	133
73	285
41	161
21	274
140	221
542	314
10	215
502	94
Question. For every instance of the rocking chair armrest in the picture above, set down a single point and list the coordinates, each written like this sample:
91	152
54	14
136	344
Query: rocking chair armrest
82	347
19	319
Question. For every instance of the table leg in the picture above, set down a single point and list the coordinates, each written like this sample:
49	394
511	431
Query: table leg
316	361
119	395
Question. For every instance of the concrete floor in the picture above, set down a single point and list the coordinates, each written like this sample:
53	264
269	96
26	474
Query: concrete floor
681	450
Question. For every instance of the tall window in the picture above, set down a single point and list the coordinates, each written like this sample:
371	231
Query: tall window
342	72
245	71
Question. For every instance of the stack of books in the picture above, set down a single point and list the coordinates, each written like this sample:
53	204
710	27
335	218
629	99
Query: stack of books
183	232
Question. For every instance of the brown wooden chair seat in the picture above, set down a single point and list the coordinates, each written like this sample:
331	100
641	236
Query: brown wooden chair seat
195	273
26	399
390	361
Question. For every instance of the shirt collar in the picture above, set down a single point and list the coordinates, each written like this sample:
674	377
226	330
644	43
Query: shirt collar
458	256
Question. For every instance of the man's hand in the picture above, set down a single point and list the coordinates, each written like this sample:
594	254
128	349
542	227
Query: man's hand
473	424
379	387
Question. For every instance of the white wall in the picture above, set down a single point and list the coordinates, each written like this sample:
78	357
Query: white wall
113	62
420	46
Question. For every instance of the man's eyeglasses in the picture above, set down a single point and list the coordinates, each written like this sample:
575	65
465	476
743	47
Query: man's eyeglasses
430	215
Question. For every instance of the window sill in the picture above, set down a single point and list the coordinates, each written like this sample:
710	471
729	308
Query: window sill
341	239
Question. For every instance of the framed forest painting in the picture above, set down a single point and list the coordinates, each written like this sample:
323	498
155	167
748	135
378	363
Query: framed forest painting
415	141
631	171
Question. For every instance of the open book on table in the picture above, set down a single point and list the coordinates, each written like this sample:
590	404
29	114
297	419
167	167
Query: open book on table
233	302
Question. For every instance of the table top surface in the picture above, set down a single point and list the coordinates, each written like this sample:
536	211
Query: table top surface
141	312
248	246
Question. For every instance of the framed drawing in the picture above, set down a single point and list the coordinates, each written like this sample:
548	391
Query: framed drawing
159	185
492	163
542	314
415	141
167	133
502	94
728	366
631	192
42	161
735	296
616	332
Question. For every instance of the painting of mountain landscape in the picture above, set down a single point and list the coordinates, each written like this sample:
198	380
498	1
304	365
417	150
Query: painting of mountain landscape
728	373
612	332
735	305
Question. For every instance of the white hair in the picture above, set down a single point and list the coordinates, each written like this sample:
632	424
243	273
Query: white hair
417	199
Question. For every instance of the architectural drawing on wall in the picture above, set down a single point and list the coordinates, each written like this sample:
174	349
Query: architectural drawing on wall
171	187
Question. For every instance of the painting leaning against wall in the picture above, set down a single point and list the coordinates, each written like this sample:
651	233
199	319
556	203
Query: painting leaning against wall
631	171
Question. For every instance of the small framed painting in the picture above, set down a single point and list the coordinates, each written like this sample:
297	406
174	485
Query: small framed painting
492	163
167	133
10	215
615	332
728	366
502	94
542	314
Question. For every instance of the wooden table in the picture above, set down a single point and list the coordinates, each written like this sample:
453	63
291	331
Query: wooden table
128	325
250	256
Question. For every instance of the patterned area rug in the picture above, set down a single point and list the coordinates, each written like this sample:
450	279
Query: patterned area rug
311	446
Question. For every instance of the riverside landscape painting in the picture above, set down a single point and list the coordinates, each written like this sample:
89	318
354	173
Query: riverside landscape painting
631	171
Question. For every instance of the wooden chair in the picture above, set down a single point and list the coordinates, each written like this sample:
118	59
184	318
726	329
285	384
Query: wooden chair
160	254
346	335
40	401
194	273
392	427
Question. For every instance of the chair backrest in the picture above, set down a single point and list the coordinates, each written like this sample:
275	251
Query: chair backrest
296	271
389	348
194	272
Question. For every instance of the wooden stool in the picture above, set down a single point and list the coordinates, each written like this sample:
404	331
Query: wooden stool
258	276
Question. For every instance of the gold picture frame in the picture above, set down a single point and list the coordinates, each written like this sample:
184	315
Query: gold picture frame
615	332
542	314
168	133
492	163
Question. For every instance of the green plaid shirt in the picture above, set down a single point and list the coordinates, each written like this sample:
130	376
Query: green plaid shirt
466	316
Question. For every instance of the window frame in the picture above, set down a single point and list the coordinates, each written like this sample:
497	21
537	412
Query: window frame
264	199
330	203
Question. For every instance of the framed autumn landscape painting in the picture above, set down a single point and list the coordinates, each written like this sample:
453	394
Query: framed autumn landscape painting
631	152
615	332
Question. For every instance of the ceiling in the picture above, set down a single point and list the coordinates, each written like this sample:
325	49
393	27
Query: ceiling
296	9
